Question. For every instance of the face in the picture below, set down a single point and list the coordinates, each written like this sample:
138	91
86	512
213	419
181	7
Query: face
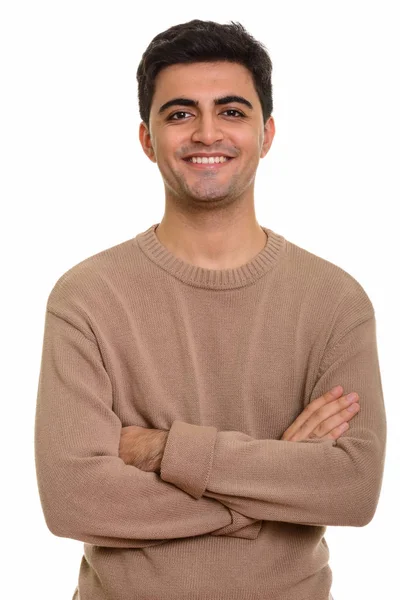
205	109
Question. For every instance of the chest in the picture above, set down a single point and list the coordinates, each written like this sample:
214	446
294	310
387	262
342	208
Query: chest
214	359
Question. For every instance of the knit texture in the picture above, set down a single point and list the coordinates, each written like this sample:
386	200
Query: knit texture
225	360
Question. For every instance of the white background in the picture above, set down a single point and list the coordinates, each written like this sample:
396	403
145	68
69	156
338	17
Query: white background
74	181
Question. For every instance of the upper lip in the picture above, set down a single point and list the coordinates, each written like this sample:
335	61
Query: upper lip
206	154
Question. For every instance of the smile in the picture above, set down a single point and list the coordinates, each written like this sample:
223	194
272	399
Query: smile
213	163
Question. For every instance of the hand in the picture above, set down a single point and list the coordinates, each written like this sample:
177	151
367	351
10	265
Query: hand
142	448
324	418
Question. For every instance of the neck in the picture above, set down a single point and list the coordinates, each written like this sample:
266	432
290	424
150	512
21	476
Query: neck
210	243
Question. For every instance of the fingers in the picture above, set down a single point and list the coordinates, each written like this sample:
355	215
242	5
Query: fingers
329	416
337	423
336	432
323	415
311	408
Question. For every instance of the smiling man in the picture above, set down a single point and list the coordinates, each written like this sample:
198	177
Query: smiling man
207	144
192	424
208	147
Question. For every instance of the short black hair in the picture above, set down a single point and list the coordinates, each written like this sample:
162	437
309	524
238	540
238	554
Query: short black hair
204	41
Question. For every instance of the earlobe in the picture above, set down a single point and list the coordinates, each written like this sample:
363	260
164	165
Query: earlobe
269	133
145	140
265	148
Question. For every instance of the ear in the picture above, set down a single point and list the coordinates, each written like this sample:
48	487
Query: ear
269	132
145	140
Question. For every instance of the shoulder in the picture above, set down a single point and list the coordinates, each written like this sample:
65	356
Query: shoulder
327	281
87	281
328	298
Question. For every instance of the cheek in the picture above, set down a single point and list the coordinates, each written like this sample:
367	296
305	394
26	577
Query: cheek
168	151
248	144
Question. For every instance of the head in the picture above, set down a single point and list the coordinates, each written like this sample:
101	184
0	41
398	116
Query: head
205	88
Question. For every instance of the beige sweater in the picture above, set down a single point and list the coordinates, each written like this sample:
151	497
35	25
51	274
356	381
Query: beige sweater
225	360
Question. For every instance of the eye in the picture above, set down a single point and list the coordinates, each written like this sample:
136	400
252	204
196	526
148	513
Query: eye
235	111
180	112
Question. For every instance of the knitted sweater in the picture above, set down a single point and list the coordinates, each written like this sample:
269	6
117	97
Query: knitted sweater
225	360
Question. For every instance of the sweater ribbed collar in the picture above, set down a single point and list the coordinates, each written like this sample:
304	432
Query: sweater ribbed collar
201	277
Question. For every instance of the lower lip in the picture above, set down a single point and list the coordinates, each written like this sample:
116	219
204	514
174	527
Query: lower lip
208	166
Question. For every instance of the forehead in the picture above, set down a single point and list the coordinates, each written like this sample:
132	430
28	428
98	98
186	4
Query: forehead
202	81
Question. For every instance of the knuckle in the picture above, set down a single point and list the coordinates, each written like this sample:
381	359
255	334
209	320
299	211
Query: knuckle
319	415
316	432
328	395
308	409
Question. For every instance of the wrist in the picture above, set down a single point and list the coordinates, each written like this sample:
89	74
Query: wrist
162	444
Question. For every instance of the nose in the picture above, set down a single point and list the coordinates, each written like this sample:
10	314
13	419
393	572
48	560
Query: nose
207	130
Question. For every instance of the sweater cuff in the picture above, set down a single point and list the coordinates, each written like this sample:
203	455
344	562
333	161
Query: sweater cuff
241	527
188	457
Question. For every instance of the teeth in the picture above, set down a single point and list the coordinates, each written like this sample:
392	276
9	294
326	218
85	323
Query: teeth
211	160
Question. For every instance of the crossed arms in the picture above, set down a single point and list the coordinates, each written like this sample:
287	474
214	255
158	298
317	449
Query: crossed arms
217	482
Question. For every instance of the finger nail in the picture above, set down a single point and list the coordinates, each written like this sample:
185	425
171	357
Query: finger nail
353	407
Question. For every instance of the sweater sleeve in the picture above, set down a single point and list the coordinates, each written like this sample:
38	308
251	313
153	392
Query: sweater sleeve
86	490
312	482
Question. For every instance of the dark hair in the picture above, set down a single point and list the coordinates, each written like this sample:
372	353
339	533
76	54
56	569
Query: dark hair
204	41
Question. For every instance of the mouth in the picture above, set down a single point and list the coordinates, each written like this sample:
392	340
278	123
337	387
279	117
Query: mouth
213	166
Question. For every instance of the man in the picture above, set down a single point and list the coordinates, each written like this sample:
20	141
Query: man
180	366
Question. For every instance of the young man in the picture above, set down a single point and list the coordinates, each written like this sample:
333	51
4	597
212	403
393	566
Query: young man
179	367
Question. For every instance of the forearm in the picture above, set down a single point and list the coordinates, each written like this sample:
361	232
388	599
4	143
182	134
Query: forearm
311	483
314	483
144	448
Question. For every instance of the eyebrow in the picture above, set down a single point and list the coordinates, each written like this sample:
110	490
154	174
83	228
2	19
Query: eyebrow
217	102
